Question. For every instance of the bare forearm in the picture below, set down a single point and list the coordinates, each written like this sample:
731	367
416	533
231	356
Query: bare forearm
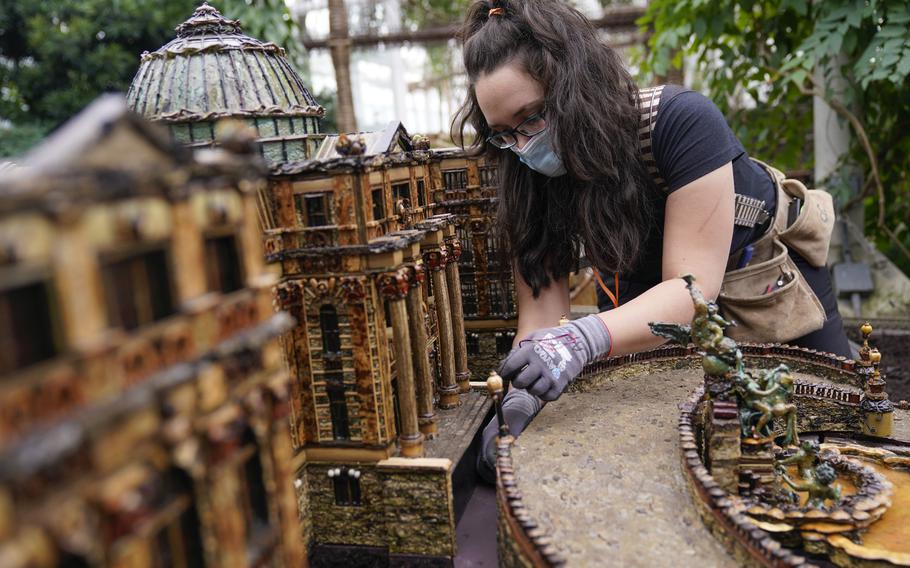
668	302
543	311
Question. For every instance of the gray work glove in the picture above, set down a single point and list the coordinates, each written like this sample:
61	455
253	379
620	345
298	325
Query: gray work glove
518	409
549	359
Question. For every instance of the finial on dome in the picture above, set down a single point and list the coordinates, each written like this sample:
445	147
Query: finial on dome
208	20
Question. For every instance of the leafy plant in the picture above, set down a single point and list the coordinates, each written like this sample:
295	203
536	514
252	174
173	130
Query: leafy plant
56	56
768	51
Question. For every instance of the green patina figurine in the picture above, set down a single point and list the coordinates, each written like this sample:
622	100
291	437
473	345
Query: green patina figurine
722	357
818	484
766	398
805	458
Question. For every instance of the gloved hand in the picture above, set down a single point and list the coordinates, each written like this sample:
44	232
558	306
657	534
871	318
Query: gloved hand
518	409
549	359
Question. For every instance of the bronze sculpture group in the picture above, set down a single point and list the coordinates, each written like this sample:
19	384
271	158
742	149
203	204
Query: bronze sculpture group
761	396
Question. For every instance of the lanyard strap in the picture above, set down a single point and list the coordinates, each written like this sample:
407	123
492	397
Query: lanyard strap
613	297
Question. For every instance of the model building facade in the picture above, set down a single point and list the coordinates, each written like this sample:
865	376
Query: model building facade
143	392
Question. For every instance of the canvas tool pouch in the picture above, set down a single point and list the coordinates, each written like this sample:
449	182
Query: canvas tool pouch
769	299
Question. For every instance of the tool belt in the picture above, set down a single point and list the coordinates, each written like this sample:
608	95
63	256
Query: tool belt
769	299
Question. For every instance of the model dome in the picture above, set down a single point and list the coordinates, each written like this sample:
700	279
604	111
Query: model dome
211	70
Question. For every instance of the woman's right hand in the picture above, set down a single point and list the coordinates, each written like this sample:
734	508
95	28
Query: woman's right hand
519	407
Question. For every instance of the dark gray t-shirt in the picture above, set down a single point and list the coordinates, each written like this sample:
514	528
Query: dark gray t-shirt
691	138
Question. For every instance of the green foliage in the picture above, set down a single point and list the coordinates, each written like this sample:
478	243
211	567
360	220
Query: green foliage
17	140
268	20
56	56
428	13
329	101
768	50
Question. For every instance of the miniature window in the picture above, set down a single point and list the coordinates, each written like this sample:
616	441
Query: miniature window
468	293
467	246
346	483
334	375
421	193
492	250
402	192
313	210
138	289
489	176
338	407
504	342
473	343
378	205
454	180
25	318
258	504
179	542
222	264
331	334
259	536
495	296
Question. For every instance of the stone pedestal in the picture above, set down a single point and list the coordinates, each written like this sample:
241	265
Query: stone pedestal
723	451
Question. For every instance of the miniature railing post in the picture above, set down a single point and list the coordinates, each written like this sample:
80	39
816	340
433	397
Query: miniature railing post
426	416
462	373
448	391
394	288
494	386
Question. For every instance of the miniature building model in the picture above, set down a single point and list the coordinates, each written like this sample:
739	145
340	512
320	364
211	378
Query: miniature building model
143	394
381	408
372	279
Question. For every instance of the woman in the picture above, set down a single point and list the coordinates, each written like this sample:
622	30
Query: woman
562	115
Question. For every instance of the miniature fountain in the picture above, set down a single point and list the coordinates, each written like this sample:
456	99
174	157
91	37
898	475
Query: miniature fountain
791	457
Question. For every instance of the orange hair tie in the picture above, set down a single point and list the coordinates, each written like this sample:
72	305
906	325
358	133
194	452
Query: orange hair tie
496	12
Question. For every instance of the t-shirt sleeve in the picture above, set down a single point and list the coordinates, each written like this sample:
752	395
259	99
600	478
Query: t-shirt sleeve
691	138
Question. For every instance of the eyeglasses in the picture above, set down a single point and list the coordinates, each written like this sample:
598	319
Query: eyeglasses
531	126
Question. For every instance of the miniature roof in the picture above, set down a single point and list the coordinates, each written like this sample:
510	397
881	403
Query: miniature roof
392	138
211	70
392	143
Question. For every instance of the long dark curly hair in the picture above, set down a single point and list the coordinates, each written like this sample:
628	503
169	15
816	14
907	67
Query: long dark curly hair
606	200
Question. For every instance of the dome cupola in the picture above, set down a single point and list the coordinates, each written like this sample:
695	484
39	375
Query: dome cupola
211	70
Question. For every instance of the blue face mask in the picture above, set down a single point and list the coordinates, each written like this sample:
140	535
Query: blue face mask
539	155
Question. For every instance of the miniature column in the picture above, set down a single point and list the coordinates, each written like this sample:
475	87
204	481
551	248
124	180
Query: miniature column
448	390
426	416
462	373
188	253
394	288
78	284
